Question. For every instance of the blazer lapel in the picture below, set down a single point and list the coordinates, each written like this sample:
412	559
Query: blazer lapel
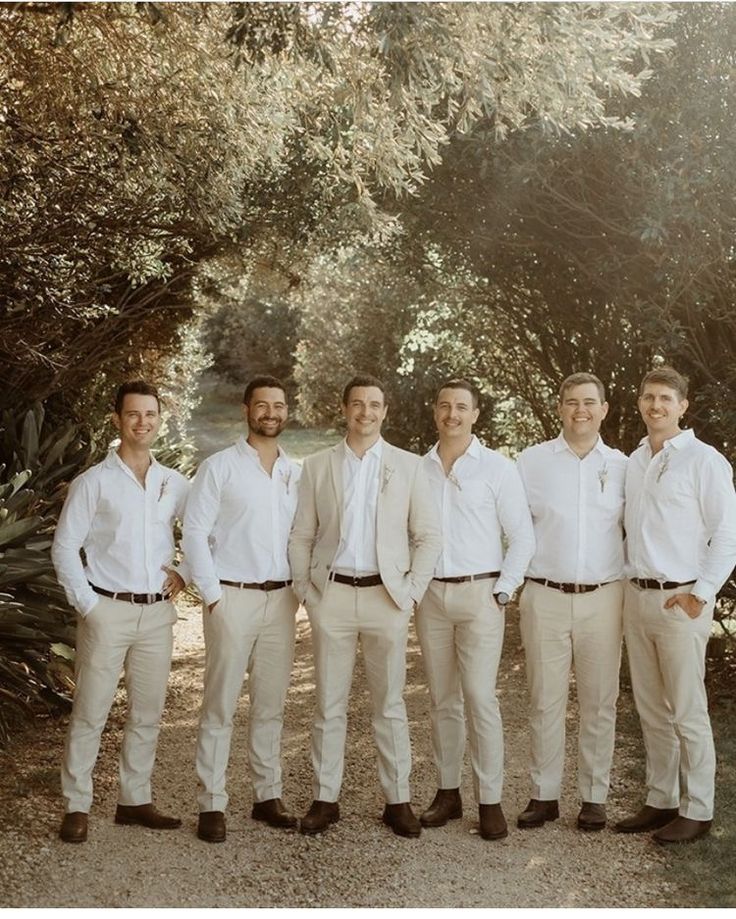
336	461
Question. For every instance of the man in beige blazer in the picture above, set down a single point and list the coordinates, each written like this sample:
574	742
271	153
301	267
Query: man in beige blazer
363	548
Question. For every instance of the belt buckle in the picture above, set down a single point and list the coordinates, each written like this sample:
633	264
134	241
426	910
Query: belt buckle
356	581
579	588
150	599
569	588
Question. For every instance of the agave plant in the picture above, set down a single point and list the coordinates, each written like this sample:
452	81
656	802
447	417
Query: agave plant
36	623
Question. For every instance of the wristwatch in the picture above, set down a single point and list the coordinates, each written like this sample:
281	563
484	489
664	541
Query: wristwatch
501	598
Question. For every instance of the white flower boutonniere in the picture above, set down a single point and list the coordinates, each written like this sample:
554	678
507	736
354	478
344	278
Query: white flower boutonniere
603	476
164	488
454	479
286	479
664	463
388	471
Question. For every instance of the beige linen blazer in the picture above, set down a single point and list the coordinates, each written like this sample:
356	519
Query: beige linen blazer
407	529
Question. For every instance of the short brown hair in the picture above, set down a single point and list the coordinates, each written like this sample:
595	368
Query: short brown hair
135	388
579	379
264	380
667	376
459	384
363	379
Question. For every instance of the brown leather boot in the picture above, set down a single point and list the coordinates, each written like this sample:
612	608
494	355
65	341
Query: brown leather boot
211	826
492	822
74	827
319	816
145	815
682	829
592	817
537	813
447	805
646	819
401	819
274	814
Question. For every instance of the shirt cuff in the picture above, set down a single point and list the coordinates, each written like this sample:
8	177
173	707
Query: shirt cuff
86	603
211	592
705	590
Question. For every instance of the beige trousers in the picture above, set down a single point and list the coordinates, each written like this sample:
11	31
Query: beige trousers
116	636
558	631
249	631
666	652
460	629
342	618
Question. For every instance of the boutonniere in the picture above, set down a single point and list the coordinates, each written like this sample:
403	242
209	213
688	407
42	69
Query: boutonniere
387	473
164	488
454	479
603	476
286	479
664	463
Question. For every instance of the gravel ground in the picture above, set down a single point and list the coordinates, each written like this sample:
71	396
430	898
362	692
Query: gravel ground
358	862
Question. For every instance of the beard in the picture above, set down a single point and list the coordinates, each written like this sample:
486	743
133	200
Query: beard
257	427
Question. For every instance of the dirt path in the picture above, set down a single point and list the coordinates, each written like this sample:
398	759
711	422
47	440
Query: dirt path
357	863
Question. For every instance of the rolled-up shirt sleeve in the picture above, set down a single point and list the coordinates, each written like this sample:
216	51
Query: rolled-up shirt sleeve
718	506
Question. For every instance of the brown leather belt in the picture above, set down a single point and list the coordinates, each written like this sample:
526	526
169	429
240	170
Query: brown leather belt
464	578
370	580
266	585
570	588
140	599
651	584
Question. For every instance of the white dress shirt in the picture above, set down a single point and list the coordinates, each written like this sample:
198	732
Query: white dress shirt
357	554
126	531
481	499
238	519
681	514
577	507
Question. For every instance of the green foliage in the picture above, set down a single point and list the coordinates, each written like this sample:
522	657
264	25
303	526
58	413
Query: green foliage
36	624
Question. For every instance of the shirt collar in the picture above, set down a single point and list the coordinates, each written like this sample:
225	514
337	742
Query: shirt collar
559	444
113	461
679	441
376	450
474	450
245	448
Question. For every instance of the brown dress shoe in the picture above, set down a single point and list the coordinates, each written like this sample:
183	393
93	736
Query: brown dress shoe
592	817
646	819
682	829
74	827
273	813
447	805
211	826
145	815
401	819
537	813
492	822
319	816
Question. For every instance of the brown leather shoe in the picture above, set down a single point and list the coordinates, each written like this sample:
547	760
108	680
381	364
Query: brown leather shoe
537	813
592	817
319	816
74	827
646	819
273	813
401	819
145	815
211	826
682	829
492	822
447	805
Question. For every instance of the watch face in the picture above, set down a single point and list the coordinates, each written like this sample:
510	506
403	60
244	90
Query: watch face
502	599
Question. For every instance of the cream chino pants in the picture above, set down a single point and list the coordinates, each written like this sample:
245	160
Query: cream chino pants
344	617
249	631
460	629
666	650
558	631
117	636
